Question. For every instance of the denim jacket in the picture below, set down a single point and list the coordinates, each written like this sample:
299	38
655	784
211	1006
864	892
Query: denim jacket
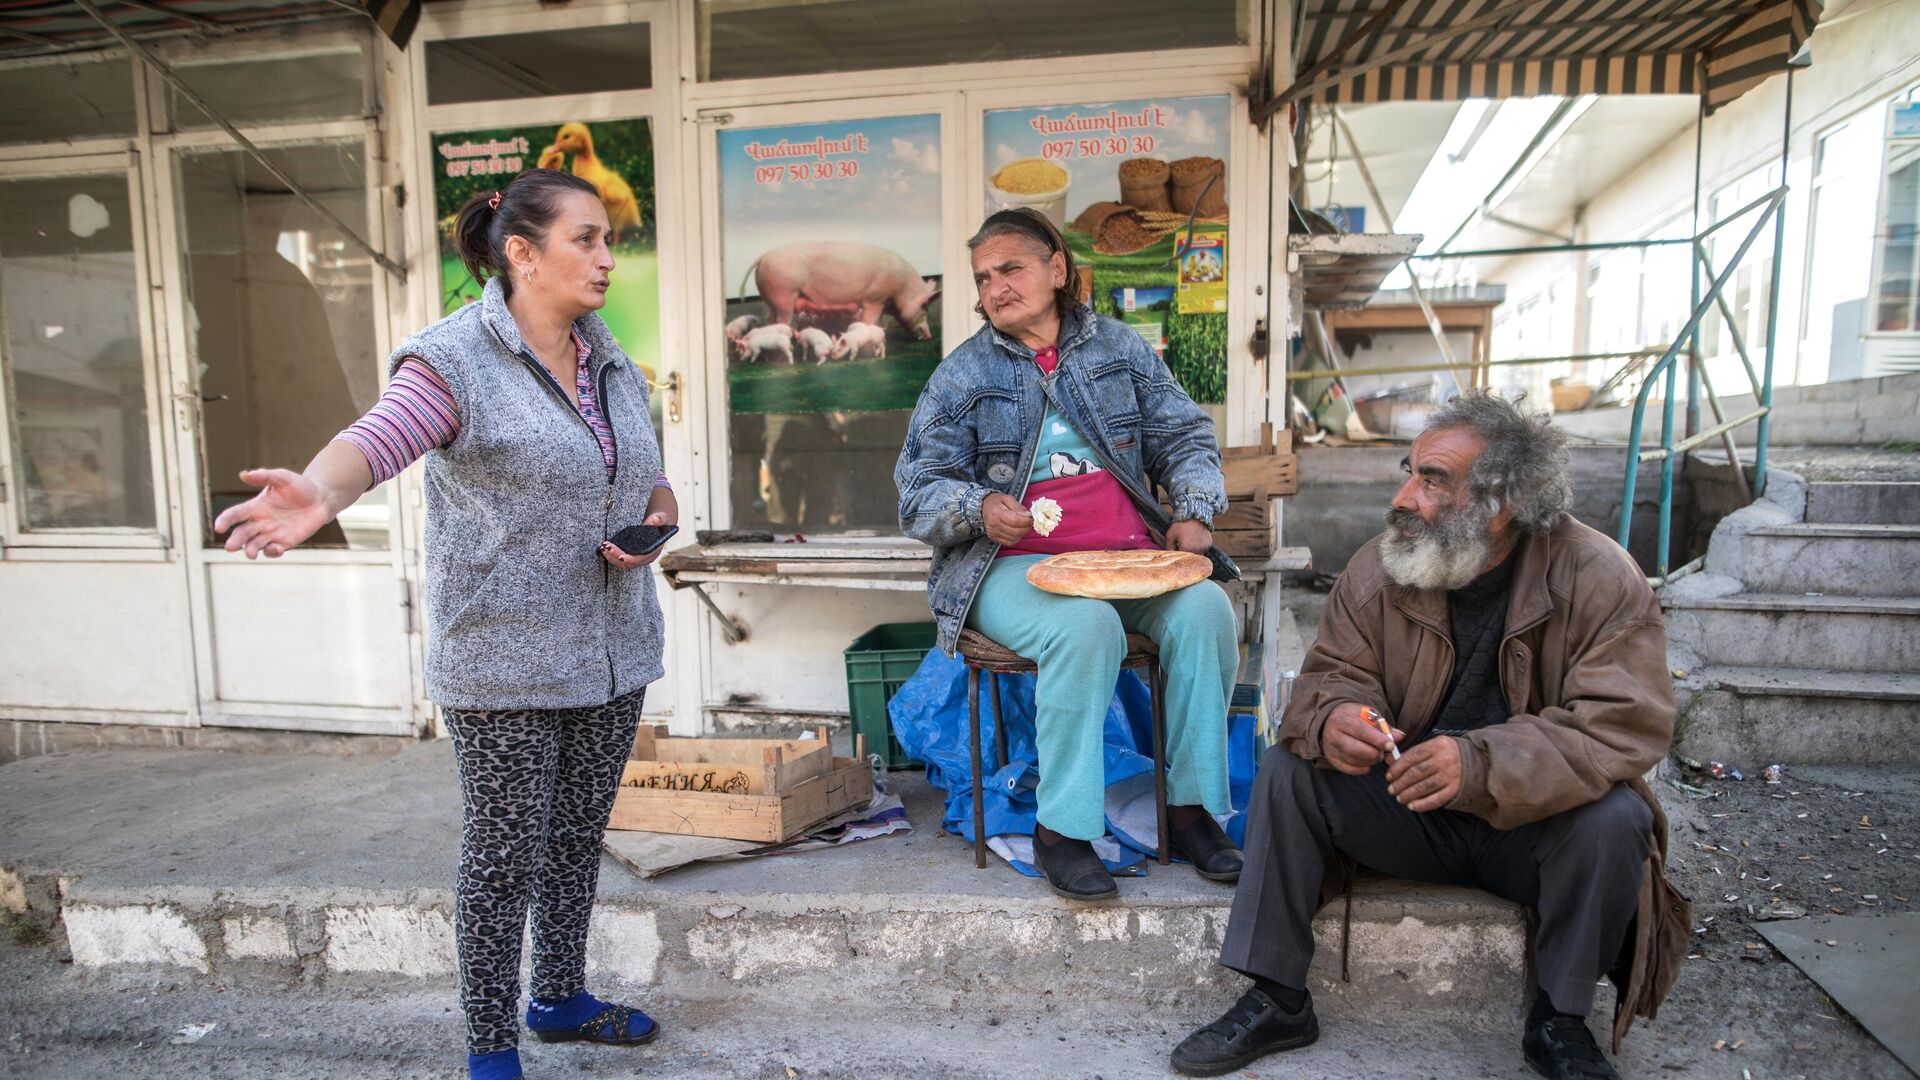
977	425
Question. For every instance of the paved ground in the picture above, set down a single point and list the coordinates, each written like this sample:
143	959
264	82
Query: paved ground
167	822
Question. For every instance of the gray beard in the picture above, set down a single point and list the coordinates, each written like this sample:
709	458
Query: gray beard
1445	555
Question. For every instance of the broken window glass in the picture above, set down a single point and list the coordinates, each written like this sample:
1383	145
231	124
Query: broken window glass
281	320
75	362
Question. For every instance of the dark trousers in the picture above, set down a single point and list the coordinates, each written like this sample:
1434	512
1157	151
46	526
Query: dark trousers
1580	871
537	787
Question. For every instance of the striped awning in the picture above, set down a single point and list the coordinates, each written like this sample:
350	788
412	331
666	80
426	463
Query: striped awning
1442	50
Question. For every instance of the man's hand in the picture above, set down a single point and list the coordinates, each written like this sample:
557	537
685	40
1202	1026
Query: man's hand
1189	536
1352	745
1426	777
1006	520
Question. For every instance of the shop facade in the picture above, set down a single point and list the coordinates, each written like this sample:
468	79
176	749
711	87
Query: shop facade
177	309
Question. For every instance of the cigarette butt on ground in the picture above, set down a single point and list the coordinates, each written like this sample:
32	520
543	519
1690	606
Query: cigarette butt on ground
1374	718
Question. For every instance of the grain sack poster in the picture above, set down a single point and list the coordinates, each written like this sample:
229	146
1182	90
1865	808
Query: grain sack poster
616	156
830	247
1140	190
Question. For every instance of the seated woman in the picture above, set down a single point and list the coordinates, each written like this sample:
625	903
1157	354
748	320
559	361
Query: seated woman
1050	400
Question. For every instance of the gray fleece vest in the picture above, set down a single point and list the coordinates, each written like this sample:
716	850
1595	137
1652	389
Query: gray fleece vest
522	612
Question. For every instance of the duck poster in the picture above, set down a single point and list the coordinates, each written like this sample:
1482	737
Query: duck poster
831	255
1139	188
616	156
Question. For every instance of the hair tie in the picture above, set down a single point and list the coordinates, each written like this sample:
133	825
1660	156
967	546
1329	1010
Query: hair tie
493	201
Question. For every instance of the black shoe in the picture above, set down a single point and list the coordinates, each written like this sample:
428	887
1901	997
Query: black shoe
1072	869
1562	1048
1256	1026
1204	843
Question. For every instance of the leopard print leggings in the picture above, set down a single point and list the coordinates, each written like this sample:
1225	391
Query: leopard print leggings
536	787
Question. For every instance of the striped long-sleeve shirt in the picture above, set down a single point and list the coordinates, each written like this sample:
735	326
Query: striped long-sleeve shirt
417	413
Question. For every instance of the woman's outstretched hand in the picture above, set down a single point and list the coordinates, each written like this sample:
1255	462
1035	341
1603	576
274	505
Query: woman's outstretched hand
663	509
289	509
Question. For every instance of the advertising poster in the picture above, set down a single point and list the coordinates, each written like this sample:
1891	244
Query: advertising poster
830	237
616	156
1140	190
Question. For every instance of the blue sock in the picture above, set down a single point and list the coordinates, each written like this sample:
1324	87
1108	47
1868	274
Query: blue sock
499	1065
560	1014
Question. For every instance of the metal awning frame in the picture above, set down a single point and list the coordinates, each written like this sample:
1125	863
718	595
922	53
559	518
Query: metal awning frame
172	78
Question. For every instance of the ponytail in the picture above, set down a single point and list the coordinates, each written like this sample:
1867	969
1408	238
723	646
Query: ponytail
525	207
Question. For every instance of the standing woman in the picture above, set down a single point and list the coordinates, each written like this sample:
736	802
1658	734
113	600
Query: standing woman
543	635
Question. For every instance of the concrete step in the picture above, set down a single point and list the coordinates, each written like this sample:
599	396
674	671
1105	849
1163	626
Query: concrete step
1752	717
1864	502
252	871
1835	559
1843	633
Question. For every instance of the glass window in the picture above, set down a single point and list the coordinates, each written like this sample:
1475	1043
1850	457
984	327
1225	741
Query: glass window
281	311
1846	179
1896	289
831	250
74	359
57	102
587	60
751	39
328	84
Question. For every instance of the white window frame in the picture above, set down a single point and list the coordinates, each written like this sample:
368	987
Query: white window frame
125	163
168	149
1880	221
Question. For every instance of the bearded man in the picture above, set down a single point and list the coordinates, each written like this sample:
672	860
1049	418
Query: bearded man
1519	658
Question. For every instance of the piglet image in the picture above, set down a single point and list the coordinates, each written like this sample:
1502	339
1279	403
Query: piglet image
742	326
861	339
813	343
826	273
776	339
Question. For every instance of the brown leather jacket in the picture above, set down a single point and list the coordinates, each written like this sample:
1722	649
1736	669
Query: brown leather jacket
1584	668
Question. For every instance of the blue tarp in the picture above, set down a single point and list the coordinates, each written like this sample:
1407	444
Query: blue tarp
929	716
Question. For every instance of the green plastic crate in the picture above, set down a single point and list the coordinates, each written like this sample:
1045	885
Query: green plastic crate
878	662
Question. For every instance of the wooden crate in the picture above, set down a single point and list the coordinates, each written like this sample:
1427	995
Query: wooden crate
741	789
1255	476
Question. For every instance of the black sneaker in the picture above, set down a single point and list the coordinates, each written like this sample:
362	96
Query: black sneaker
1256	1026
1073	870
1204	843
1562	1048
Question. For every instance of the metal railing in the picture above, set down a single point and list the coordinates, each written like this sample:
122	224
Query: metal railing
1771	207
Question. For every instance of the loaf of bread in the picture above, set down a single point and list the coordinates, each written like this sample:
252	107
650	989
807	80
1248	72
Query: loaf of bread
1119	575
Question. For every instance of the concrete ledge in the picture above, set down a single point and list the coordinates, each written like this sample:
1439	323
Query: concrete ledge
1452	954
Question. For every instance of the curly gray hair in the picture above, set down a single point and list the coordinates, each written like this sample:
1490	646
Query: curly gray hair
1524	461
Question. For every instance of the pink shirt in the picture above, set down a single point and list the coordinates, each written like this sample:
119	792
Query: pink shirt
1096	513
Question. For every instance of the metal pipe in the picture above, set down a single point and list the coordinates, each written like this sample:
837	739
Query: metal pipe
1386	218
1733	324
1773	296
1726	437
1665	522
1690	442
1692	567
1548	249
1487	204
1415	369
159	67
1665	363
1693	275
1274	104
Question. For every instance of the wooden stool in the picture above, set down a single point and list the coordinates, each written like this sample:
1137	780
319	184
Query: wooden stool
982	653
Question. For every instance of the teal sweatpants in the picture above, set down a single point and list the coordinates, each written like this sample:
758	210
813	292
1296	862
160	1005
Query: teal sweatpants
1078	644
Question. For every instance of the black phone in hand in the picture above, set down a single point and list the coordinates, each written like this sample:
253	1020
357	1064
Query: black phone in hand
643	539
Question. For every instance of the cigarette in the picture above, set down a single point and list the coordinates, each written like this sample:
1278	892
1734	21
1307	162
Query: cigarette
1374	718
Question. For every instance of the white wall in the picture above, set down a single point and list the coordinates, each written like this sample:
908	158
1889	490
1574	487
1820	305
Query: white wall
1861	56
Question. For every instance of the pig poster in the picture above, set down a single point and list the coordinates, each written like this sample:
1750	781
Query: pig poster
830	246
616	156
1139	188
831	252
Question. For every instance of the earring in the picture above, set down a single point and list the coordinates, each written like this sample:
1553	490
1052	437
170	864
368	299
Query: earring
526	273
